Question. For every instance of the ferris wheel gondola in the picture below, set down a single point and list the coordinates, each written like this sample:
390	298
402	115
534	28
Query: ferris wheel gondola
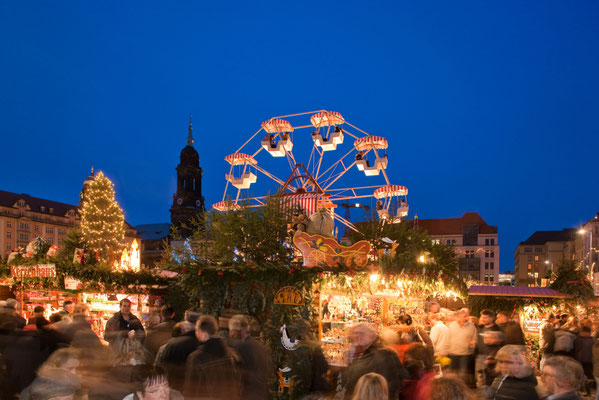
385	196
316	183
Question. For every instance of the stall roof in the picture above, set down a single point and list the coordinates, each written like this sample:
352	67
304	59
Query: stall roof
515	291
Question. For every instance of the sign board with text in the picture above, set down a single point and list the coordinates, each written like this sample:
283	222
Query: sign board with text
33	271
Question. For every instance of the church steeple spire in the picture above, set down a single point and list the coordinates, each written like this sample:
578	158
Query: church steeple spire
189	134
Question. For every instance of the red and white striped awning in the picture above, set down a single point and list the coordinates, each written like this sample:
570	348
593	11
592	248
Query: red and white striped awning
304	201
275	125
390	191
225	206
240	159
369	142
326	118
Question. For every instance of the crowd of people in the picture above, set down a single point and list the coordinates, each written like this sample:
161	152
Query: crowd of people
449	356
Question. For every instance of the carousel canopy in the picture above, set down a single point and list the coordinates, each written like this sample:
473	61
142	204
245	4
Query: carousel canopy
515	291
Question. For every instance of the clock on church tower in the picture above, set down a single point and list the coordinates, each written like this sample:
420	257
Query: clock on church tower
188	202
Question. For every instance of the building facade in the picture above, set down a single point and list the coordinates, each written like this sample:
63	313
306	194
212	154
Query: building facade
24	217
475	242
587	244
541	253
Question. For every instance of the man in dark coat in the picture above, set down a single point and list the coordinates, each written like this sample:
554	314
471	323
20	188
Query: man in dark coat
213	369
486	345
256	365
511	329
368	355
562	376
172	356
162	332
124	320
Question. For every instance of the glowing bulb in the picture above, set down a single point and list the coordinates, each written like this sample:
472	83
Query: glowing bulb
421	258
374	277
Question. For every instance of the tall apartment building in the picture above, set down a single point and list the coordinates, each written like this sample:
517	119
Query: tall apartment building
542	252
476	244
24	217
587	244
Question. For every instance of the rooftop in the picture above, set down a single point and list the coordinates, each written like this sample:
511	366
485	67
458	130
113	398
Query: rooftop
153	231
541	237
453	226
8	199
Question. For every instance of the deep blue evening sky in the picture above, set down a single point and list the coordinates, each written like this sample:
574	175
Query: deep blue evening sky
488	106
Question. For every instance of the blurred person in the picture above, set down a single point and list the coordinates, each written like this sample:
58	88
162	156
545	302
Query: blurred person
68	307
450	388
152	320
546	338
565	337
124	320
583	353
162	332
129	351
129	356
563	318
191	316
439	335
79	324
256	365
212	369
153	385
419	364
485	345
517	379
511	329
562	377
368	355
462	339
57	378
489	371
315	370
172	356
409	333
38	311
371	386
10	309
23	355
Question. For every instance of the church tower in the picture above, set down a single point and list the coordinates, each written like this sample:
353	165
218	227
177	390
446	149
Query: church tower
188	202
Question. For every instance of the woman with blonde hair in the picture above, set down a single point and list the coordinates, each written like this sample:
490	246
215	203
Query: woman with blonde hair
371	387
517	379
450	388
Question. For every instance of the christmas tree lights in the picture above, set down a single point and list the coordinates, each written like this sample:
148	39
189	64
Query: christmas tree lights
102	221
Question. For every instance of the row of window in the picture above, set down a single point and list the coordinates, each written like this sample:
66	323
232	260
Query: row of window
26	238
489	277
37	228
488	254
490	265
488	242
529	249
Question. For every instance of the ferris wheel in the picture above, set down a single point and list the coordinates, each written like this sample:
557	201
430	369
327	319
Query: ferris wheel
341	163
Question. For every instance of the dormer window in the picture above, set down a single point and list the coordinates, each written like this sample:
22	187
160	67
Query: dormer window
50	210
43	208
21	203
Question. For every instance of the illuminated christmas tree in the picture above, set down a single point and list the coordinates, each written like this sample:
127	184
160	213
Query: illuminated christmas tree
102	221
